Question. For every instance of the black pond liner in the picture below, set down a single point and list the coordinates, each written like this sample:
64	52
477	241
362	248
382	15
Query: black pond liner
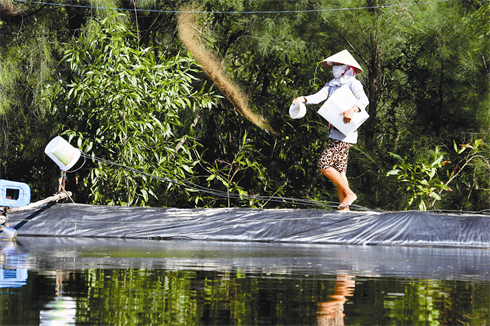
314	226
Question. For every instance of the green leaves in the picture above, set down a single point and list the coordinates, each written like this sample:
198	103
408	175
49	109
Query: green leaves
232	174
419	179
130	107
474	147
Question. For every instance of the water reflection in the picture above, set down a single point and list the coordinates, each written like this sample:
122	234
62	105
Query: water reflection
331	312
10	275
61	310
107	281
367	261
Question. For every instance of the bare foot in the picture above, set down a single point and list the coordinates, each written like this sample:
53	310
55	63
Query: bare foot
344	209
348	200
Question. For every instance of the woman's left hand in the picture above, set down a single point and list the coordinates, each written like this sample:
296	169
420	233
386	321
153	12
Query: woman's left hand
349	114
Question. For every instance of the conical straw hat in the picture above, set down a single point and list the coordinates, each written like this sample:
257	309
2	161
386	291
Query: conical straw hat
343	57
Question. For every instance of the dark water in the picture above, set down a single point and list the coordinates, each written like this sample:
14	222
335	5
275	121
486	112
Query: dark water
76	281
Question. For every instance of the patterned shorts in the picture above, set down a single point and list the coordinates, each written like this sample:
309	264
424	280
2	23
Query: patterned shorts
334	155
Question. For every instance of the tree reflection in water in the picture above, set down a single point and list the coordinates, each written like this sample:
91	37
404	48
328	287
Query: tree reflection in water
104	282
331	312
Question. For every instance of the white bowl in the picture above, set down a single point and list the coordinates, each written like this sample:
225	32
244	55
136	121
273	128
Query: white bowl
297	110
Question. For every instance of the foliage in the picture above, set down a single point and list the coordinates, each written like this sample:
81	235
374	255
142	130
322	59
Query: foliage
234	174
30	50
130	107
472	154
419	179
253	53
426	75
470	173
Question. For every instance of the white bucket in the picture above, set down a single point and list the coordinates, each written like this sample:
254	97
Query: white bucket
297	110
62	153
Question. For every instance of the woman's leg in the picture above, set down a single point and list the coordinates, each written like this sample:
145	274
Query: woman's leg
344	207
346	195
331	162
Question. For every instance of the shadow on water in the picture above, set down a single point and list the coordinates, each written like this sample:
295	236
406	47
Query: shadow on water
72	281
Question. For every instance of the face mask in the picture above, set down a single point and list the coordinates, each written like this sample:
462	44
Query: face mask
339	70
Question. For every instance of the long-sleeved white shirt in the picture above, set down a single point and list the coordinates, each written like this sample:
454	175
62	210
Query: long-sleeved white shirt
358	91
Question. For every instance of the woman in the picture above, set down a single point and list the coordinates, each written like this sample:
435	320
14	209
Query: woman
333	161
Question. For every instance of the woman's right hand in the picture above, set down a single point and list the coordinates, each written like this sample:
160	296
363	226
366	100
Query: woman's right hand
300	99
